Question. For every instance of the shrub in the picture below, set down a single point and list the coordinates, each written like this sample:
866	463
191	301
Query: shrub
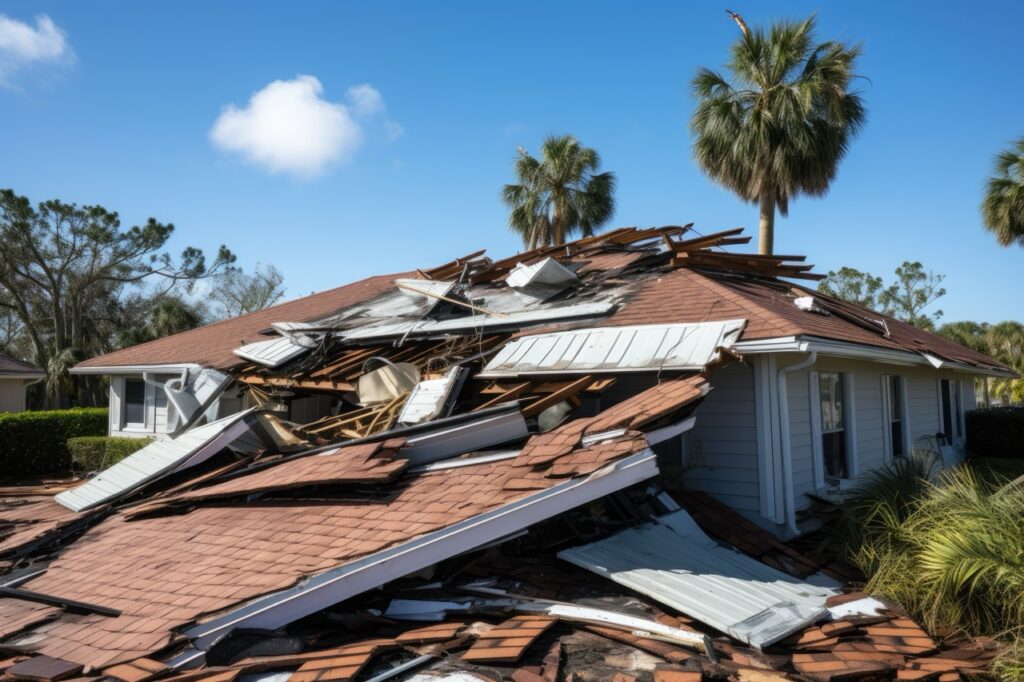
996	432
34	443
92	453
949	551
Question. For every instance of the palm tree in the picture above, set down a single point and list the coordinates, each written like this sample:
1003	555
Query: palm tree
1003	206
783	123
559	194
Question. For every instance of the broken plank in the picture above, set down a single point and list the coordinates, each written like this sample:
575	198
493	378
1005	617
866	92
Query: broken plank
556	397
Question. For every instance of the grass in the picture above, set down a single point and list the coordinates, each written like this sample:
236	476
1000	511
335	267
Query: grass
949	547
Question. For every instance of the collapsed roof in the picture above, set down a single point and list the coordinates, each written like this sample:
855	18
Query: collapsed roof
523	403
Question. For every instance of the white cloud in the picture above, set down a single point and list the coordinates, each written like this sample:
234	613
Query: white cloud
288	127
366	100
21	44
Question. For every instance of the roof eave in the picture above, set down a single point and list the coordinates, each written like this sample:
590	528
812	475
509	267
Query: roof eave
846	349
135	369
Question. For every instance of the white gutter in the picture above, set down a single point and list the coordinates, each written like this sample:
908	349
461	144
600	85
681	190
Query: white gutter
893	356
173	368
787	448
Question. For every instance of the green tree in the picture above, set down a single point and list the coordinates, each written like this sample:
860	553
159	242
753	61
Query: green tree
147	318
559	194
783	122
912	292
852	285
1006	344
64	268
907	298
1003	206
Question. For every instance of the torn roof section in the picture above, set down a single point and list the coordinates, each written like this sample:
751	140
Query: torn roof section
302	532
625	277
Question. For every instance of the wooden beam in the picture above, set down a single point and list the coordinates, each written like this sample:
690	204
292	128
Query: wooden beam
538	406
287	382
505	396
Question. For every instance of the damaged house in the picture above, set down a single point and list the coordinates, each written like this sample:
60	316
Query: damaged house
576	462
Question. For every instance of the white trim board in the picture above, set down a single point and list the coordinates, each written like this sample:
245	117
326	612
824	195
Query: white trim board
173	368
335	585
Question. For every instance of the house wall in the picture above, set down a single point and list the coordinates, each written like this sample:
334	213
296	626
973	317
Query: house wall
12	395
157	409
868	443
720	452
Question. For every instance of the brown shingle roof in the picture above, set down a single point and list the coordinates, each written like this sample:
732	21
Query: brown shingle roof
163	572
212	344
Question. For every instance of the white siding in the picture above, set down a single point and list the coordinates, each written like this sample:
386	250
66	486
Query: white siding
798	390
720	453
12	395
157	409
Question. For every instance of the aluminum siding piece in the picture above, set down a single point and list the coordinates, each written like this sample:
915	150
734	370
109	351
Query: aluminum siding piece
642	347
673	561
146	464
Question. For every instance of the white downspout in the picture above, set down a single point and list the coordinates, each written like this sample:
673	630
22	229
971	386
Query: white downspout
787	450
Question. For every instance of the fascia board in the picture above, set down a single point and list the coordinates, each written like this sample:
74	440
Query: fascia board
172	368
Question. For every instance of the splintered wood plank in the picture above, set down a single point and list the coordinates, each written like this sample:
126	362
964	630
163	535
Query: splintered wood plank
538	406
508	641
510	394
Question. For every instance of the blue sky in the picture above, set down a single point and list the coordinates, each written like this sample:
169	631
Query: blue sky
123	117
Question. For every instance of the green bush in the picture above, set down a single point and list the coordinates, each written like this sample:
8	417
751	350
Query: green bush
996	432
34	443
949	551
92	453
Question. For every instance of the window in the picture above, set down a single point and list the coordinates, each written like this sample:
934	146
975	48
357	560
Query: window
894	405
946	396
831	391
134	402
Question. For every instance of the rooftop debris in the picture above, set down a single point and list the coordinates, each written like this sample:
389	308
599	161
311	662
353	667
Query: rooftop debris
460	431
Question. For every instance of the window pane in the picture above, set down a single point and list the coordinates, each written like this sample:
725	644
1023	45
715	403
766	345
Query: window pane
895	398
897	438
834	449
134	401
947	410
831	391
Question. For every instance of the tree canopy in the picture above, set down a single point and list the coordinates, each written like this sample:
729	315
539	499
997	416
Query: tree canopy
559	194
234	292
906	298
1003	206
783	119
65	269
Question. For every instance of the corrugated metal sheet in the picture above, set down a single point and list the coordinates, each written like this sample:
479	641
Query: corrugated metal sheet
158	457
276	352
642	347
472	322
673	561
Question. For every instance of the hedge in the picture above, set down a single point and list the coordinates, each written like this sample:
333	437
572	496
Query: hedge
34	443
996	432
92	453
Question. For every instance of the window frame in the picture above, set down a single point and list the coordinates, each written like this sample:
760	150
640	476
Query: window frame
887	412
126	425
821	477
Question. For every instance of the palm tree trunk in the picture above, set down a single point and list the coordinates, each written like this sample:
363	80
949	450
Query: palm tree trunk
766	237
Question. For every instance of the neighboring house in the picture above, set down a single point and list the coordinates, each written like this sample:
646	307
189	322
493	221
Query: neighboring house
15	378
810	392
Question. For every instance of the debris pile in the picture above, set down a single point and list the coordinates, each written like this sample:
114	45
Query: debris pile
469	475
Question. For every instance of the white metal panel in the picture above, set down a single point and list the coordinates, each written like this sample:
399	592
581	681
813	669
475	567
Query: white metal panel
276	352
429	398
673	561
644	347
472	322
156	458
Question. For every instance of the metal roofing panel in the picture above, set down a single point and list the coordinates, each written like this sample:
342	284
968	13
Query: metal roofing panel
158	457
276	352
673	561
659	346
430	397
472	322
